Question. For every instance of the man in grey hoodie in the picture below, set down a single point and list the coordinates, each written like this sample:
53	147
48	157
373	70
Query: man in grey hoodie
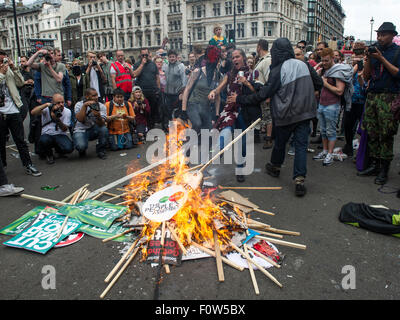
293	105
175	84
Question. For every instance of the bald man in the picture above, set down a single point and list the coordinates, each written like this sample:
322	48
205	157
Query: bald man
56	120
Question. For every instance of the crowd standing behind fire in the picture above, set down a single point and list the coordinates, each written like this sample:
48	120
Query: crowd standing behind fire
295	90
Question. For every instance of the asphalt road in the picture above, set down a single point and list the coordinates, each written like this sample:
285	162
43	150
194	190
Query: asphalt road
315	273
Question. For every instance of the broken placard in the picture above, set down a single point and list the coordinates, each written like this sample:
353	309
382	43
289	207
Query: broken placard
171	254
26	220
194	253
41	236
96	213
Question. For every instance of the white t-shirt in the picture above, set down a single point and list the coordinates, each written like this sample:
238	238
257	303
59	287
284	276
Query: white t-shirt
94	81
9	105
50	127
90	118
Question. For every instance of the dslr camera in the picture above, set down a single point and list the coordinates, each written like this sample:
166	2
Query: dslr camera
94	63
373	48
57	112
94	106
48	57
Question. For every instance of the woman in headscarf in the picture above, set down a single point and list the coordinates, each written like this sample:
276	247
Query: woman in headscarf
239	80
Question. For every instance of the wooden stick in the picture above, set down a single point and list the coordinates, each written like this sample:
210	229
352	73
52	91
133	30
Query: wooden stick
250	188
175	237
256	264
119	273
118	235
124	257
98	196
229	145
244	205
263	256
220	269
116	197
283	243
252	274
126	201
45	200
167	270
251	221
290	233
111	194
270	234
212	253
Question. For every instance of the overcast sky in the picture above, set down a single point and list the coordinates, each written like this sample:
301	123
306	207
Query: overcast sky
360	12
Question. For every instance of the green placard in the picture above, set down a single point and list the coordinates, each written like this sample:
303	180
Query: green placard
95	213
41	236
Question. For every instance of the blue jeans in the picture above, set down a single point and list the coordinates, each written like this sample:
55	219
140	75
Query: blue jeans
81	139
226	136
120	141
60	142
301	132
328	117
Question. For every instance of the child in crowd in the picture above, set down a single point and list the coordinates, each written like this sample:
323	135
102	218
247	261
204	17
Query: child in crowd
142	111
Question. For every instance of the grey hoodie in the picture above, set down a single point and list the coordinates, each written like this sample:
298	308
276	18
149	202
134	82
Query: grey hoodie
175	77
289	86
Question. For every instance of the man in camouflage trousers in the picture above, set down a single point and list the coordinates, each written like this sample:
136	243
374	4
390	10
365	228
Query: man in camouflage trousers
382	69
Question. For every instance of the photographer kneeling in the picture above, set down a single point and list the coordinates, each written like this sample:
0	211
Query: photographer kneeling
91	124
55	124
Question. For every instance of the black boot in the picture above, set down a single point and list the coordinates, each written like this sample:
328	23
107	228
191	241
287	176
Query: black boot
372	170
383	175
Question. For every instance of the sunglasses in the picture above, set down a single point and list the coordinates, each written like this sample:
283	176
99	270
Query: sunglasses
301	47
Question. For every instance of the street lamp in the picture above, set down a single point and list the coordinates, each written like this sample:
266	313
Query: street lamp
372	26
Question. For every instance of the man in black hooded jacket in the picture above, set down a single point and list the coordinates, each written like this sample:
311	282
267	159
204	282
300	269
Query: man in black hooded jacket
293	105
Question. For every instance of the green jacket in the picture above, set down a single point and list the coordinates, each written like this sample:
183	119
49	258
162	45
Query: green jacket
14	80
74	86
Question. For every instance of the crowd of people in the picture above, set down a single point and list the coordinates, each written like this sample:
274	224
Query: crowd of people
296	92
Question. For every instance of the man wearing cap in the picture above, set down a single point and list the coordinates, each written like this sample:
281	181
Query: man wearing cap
382	70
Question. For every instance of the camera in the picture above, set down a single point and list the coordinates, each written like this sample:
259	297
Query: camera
48	57
57	112
94	106
94	63
360	65
187	71
5	60
373	48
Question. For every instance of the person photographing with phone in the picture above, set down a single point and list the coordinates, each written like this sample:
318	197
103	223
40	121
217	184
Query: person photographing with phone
148	79
382	70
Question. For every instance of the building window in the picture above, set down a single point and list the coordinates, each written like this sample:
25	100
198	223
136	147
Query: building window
111	42
217	9
158	39
254	29
240	30
148	40
138	21
157	17
228	7
104	42
64	37
254	5
77	35
240	6
147	17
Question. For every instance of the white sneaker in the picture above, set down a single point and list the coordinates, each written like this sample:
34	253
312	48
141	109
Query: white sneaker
328	160
321	156
9	190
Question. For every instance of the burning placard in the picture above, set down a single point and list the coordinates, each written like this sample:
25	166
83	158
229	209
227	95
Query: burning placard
163	205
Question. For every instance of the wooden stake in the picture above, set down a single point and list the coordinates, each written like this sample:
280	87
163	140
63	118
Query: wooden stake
118	235
250	188
212	253
263	256
45	200
269	234
251	270
244	205
283	243
121	261
256	264
98	196
220	269
290	233
119	273
116	197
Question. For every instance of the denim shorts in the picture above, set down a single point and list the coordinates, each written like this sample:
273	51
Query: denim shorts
328	117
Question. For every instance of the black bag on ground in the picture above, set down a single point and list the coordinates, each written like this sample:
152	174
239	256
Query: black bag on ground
380	220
